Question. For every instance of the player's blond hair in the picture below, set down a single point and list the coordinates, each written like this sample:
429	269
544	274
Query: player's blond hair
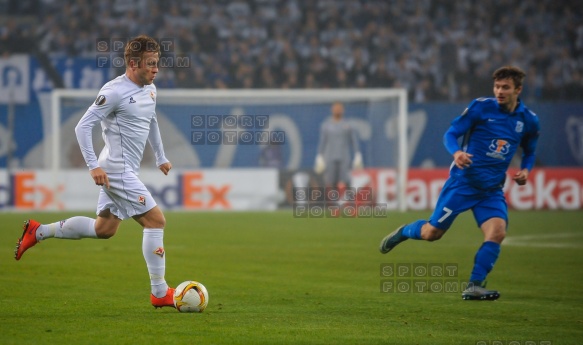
510	72
137	46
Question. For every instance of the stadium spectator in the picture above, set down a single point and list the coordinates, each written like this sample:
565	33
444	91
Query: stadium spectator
437	42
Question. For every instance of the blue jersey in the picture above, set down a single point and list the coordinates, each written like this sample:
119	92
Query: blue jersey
492	136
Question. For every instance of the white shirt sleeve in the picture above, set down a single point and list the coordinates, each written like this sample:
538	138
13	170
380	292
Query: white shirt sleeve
84	133
105	103
155	141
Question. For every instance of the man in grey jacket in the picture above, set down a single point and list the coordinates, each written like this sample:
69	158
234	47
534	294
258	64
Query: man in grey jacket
338	143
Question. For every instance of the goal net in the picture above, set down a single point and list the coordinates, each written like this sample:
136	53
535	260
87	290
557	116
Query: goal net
231	128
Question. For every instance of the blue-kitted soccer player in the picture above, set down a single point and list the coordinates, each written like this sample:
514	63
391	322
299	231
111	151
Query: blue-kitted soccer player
492	130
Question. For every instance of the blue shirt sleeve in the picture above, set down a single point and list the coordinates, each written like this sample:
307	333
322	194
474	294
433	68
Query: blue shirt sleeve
450	140
459	126
528	145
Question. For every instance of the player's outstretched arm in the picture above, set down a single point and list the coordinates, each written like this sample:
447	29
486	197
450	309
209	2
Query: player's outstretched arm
155	140
527	162
528	145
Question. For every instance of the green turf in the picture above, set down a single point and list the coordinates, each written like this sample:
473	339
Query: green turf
273	278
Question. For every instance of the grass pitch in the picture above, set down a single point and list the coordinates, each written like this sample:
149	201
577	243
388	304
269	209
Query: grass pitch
273	278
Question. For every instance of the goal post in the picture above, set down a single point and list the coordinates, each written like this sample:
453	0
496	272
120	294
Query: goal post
380	116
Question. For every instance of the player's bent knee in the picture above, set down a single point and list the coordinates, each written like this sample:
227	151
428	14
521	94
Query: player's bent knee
431	233
105	236
497	236
435	235
105	232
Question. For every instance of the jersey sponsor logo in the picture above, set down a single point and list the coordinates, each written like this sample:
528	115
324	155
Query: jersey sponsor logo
159	251
519	126
132	100
498	149
142	200
100	100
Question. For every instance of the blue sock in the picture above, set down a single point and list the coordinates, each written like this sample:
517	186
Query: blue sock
413	230
484	260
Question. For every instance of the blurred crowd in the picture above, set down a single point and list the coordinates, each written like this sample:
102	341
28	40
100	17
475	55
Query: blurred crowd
440	50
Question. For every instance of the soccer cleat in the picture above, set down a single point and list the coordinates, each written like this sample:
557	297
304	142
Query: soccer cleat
166	301
478	292
28	238
392	239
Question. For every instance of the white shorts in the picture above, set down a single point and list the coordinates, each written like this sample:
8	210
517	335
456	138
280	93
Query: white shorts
126	197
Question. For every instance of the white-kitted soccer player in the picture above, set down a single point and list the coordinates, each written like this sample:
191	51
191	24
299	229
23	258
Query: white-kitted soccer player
126	109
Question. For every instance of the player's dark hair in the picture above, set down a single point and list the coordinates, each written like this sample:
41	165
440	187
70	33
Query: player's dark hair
137	46
510	72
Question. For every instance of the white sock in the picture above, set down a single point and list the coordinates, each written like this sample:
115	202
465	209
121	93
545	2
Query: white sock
74	228
153	250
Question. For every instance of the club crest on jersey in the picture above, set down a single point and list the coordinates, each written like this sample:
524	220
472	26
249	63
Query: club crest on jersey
498	149
142	200
153	95
159	251
100	100
519	126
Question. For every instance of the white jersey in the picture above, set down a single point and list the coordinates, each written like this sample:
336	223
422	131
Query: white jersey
127	113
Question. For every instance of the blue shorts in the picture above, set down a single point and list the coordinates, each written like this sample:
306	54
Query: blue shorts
457	197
